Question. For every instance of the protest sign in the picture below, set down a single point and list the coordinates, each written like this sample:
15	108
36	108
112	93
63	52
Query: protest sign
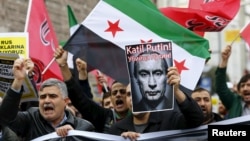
147	66
16	43
6	78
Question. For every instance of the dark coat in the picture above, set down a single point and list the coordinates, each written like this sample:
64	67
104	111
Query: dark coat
188	115
100	117
8	134
231	100
30	124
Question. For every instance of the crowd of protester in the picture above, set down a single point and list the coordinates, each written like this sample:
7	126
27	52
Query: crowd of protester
68	105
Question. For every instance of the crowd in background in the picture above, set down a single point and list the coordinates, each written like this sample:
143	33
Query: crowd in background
68	104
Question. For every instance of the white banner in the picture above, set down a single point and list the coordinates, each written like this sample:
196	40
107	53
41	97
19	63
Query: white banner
194	134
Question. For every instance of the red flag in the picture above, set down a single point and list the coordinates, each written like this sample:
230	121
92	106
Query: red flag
95	73
198	4
245	34
42	41
195	4
205	16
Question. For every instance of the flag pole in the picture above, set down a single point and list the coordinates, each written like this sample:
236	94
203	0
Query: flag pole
50	63
235	39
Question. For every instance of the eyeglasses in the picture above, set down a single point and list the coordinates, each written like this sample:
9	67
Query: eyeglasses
121	91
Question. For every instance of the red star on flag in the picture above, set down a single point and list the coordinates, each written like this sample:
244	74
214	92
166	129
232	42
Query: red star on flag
149	41
113	27
180	66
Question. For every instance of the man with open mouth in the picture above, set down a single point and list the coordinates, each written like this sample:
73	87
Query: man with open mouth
50	116
102	118
237	103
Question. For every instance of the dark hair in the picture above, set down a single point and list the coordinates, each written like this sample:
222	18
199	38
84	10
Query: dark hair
105	95
164	62
200	89
243	79
114	82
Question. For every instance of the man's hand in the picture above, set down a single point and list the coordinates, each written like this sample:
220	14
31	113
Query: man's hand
225	54
102	80
174	79
82	69
131	135
173	76
63	130
20	69
61	56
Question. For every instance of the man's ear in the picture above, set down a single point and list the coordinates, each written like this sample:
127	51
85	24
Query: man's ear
67	100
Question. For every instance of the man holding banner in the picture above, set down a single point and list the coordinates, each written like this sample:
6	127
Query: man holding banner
51	115
189	115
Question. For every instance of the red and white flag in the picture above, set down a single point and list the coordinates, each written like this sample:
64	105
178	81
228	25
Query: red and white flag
245	34
42	41
204	15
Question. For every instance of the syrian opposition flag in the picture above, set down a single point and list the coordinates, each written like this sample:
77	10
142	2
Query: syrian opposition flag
103	35
42	41
73	24
245	34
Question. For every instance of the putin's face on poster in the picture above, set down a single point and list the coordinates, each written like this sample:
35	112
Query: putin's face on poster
151	77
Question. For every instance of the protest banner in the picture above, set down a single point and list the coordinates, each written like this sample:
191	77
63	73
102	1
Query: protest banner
6	78
15	42
201	133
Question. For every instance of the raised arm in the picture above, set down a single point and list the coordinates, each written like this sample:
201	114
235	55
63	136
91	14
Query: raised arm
87	107
83	77
225	54
10	104
189	108
225	94
174	79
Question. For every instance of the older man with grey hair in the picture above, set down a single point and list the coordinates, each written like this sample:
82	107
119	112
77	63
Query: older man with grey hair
51	116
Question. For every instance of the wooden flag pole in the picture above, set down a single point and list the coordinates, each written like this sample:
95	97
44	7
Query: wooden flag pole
52	60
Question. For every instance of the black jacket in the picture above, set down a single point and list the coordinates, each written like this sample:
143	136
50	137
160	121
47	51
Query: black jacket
188	115
30	124
100	117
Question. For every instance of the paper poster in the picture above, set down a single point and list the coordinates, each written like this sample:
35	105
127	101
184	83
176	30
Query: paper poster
147	67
